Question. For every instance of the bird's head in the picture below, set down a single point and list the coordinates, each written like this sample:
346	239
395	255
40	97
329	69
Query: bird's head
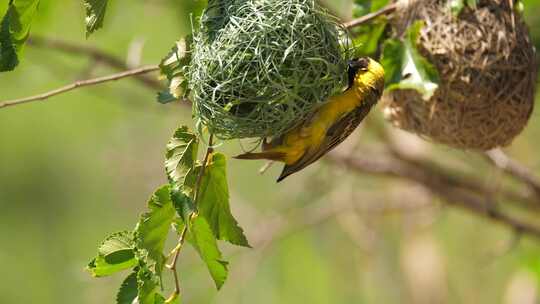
366	74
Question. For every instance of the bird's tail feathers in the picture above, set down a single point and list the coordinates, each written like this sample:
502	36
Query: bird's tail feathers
270	155
286	172
290	169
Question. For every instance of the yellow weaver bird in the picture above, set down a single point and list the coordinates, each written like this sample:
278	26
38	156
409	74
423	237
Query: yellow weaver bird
329	125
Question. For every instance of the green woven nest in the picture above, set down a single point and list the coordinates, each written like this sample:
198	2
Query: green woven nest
260	66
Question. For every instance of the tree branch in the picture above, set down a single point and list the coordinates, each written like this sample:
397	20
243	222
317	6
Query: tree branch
80	84
467	182
524	199
436	182
94	53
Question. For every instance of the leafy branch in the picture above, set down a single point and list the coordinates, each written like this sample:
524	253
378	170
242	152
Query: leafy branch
176	251
95	14
196	204
14	31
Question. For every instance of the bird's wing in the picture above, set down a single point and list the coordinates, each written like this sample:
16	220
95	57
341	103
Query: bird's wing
335	135
278	141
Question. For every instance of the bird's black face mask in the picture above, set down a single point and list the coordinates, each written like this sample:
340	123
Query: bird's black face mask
356	65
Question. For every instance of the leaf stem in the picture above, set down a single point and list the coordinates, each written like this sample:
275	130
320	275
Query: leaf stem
173	264
181	240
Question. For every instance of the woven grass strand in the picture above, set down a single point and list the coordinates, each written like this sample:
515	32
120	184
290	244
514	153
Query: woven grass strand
261	66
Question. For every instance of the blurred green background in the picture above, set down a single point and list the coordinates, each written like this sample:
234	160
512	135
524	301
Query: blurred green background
82	165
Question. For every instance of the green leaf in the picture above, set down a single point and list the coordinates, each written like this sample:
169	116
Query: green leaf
159	299
116	242
205	243
23	14
368	36
181	155
173	67
148	286
14	31
95	13
8	54
191	179
116	253
99	267
472	3
153	227
378	4
184	206
392	60
362	7
456	6
520	7
196	8
128	290
213	202
405	67
164	97
176	58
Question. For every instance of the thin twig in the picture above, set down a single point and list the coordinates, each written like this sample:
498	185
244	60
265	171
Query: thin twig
181	240
96	54
368	17
80	84
174	262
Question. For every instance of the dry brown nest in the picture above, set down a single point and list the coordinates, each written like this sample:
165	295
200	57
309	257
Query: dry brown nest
487	68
